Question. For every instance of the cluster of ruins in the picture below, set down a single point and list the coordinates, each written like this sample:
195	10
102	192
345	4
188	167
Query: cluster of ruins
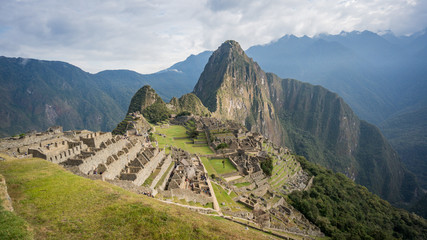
189	179
176	174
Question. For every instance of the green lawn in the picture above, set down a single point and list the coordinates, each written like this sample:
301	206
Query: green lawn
208	166
59	205
214	166
175	131
220	168
243	184
151	178
164	175
223	197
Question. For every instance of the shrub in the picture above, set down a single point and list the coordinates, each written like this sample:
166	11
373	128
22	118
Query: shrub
267	166
221	146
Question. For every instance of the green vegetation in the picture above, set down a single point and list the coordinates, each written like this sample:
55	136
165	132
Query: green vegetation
221	168
157	112
123	126
11	225
345	210
177	136
164	175
60	205
267	166
183	113
223	197
221	146
243	184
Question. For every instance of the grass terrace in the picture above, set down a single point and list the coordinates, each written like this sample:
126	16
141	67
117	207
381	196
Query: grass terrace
178	137
223	197
220	168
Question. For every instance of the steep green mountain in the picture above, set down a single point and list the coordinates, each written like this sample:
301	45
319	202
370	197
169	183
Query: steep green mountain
37	94
345	210
143	98
188	103
406	131
310	119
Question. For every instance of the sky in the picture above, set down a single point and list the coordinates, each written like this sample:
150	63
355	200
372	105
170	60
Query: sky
148	36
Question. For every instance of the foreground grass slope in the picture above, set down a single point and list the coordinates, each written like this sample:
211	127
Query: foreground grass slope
59	205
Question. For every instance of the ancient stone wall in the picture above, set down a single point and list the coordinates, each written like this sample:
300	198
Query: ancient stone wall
101	156
15	143
95	139
164	167
165	181
149	168
116	167
189	195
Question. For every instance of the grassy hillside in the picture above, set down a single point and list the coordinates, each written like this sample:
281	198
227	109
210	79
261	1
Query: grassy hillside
59	205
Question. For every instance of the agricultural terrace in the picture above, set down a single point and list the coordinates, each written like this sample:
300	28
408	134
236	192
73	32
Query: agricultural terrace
215	166
175	135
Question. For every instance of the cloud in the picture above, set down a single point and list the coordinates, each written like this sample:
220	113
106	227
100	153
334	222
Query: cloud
148	36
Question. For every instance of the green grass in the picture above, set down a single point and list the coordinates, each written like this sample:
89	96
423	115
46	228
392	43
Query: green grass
243	184
220	168
12	226
175	131
223	197
208	166
59	205
151	178
164	175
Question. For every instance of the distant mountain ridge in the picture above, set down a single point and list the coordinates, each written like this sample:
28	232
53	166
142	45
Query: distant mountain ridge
312	120
36	94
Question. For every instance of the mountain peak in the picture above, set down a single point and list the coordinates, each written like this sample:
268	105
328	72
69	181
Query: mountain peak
230	48
224	69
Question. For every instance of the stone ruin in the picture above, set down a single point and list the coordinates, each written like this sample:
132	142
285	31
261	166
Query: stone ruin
188	179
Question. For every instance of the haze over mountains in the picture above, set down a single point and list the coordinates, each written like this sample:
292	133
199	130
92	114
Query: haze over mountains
381	77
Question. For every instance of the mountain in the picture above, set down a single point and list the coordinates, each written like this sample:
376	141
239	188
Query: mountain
154	109
406	131
175	81
310	119
383	78
188	103
36	94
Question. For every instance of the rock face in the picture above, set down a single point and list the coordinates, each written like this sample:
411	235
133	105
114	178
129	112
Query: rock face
234	87
310	119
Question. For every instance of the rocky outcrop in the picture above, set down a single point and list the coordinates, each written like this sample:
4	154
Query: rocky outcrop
234	87
6	201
